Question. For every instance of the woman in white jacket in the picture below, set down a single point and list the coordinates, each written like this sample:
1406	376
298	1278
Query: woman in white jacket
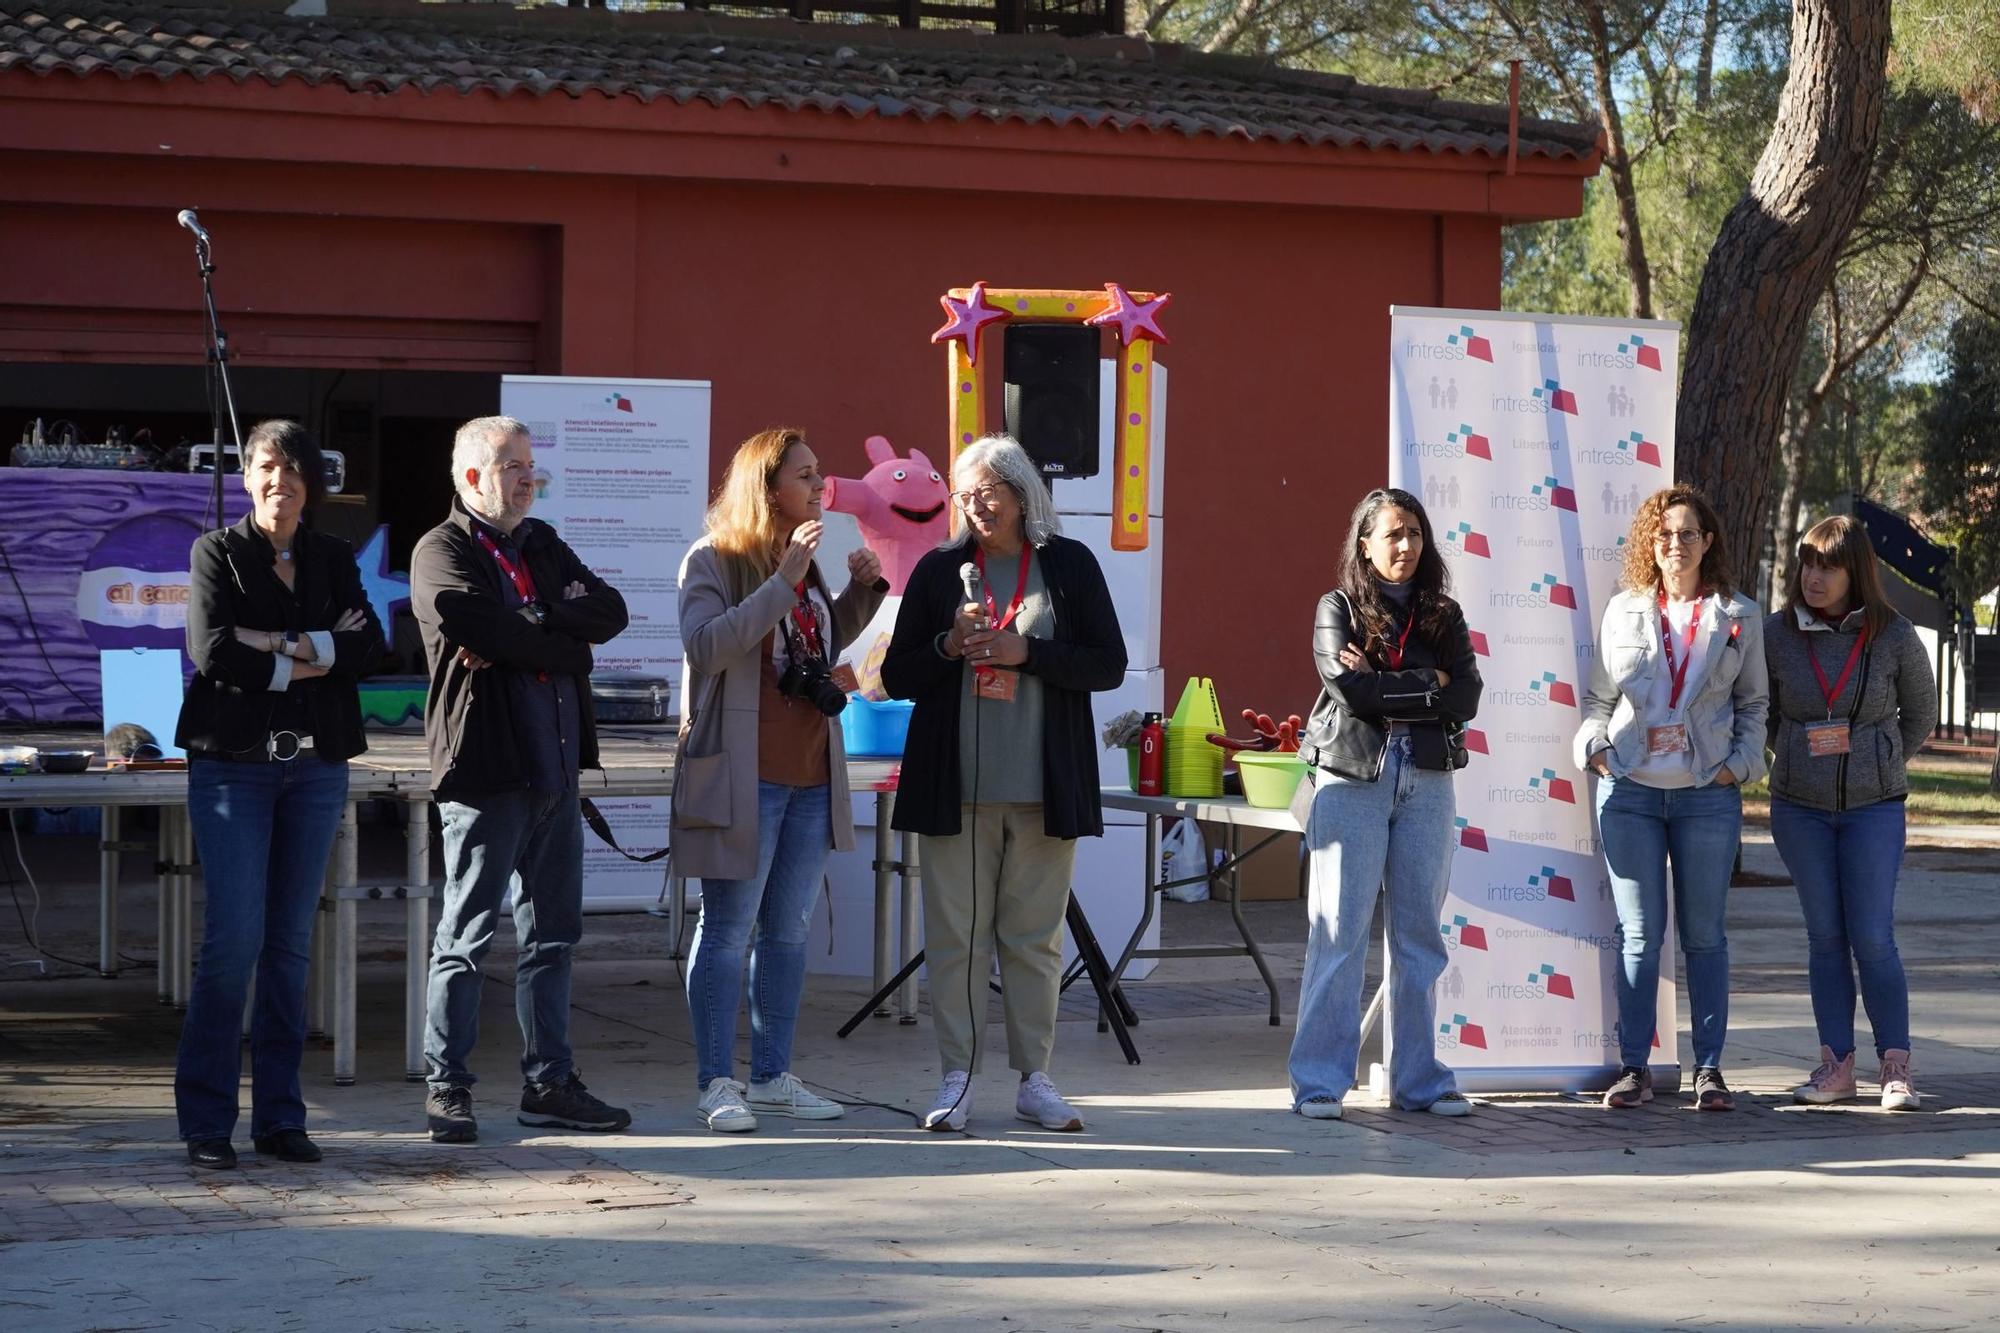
1673	726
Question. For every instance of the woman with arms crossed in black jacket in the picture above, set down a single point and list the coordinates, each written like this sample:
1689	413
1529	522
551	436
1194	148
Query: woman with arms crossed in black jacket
1398	680
279	630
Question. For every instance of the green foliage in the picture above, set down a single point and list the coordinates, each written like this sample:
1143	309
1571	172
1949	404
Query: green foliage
1961	450
1951	46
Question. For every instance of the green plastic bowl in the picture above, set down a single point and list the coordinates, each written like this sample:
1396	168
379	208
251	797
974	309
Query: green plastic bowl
1269	778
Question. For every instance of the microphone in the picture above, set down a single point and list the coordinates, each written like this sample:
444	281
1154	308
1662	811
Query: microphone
968	576
187	219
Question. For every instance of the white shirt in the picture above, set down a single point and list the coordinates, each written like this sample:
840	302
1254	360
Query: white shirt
1676	770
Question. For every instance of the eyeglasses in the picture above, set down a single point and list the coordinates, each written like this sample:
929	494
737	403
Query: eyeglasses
1684	536
984	496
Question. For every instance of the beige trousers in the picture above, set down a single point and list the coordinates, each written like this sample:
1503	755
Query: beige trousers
1012	896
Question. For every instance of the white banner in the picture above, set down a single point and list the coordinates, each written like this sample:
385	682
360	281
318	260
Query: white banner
621	470
1531	440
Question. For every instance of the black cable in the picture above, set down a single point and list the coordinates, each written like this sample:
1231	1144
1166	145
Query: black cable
34	719
14	891
34	631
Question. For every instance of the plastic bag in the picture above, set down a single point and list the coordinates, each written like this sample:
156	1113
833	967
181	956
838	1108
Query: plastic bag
1183	853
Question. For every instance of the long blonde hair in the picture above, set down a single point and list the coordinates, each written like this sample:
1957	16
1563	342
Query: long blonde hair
741	521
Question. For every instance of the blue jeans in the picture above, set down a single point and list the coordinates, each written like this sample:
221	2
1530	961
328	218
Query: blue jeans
1698	829
1394	837
793	837
1844	865
491	844
263	832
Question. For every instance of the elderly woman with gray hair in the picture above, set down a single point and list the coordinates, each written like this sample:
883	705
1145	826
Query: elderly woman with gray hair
1000	772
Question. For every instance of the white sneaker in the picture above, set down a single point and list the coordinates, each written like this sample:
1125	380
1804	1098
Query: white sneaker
722	1107
1451	1104
1897	1092
785	1095
1039	1103
954	1100
1320	1108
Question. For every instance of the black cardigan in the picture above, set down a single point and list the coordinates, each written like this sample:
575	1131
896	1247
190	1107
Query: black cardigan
459	602
231	583
1086	654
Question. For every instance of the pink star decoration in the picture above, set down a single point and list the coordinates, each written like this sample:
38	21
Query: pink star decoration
1134	319
966	319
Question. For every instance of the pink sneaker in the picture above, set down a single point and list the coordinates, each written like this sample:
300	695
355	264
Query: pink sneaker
1832	1082
1897	1094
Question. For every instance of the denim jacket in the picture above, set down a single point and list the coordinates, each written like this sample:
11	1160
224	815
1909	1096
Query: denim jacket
1725	719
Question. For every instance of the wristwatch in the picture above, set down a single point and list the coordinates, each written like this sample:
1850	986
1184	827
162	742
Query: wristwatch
291	643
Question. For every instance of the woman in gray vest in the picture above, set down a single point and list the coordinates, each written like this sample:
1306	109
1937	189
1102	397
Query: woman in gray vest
1852	697
760	779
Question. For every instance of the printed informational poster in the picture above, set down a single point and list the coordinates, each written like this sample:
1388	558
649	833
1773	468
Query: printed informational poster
1531	440
621	471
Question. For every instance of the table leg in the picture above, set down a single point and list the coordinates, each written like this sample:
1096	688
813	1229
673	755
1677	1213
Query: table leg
1243	927
885	907
316	970
1146	873
417	944
163	972
108	866
183	909
913	888
345	947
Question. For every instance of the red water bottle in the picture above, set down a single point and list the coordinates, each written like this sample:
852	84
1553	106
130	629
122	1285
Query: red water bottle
1152	755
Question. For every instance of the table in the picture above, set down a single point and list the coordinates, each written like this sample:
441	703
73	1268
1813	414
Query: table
1232	811
638	761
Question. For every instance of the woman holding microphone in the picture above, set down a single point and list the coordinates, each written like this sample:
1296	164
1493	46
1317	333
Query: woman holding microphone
1852	698
760	779
1673	725
1000	772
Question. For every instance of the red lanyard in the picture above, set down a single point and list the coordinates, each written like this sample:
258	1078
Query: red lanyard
518	575
1832	692
1396	653
1678	675
1020	589
806	616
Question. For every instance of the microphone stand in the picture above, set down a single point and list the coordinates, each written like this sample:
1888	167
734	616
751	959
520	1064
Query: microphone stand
218	370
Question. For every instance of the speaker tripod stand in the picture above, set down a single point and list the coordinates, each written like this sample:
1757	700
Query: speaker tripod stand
1113	1008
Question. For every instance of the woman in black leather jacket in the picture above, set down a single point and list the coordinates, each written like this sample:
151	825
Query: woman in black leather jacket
1398	681
279	630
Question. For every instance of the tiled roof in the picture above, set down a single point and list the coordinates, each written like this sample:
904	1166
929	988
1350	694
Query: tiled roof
1110	84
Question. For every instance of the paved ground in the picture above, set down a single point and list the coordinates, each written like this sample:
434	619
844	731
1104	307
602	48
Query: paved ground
1193	1202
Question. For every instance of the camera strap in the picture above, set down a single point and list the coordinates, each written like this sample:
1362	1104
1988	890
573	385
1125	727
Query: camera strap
602	828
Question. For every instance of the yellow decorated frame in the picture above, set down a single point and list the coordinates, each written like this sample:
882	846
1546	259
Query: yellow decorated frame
1131	527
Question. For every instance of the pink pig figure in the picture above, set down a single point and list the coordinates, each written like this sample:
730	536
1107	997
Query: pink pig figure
900	506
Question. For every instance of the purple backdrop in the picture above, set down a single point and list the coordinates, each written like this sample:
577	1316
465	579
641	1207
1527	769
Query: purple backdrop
99	560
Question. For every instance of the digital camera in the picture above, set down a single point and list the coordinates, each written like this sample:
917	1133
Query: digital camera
808	678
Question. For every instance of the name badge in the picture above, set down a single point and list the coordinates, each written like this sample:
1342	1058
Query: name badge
1670	739
1826	738
997	684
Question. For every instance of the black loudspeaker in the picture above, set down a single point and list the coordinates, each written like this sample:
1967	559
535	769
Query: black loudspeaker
1052	395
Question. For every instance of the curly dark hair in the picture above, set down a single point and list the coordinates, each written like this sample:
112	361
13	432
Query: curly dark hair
1431	606
1642	571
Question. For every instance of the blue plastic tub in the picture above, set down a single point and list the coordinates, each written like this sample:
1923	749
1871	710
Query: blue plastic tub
876	729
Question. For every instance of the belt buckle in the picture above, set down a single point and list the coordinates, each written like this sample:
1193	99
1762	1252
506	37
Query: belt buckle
285	746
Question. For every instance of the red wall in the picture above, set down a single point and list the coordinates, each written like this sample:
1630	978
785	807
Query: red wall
804	301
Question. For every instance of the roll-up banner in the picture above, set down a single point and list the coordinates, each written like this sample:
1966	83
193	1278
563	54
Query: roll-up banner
621	471
1531	440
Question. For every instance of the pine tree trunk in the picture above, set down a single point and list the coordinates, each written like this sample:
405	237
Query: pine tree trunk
1773	257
